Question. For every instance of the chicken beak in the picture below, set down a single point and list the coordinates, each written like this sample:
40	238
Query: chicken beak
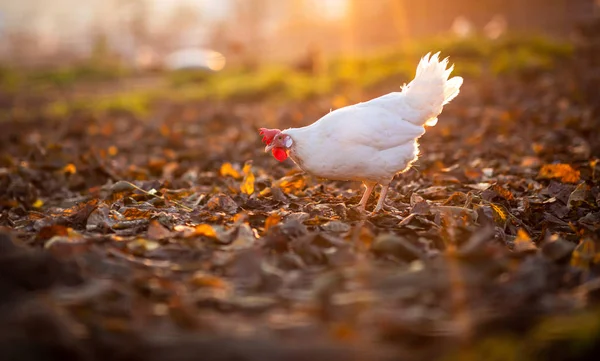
269	147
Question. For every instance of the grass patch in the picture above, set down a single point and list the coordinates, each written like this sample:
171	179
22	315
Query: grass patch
473	57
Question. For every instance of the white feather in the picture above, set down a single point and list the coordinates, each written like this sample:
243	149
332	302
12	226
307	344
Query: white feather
374	140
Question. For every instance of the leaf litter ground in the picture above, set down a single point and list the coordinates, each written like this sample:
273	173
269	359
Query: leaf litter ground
176	237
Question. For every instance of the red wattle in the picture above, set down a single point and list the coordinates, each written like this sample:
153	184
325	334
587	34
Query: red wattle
280	154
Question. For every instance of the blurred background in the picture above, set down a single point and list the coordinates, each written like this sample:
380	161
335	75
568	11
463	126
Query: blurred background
143	33
133	52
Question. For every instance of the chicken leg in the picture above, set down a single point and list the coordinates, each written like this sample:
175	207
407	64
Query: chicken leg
380	205
365	198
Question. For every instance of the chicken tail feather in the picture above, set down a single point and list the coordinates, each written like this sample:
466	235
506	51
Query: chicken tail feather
431	89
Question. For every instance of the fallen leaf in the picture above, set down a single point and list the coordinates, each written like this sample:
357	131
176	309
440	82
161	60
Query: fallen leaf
38	203
272	220
247	168
142	245
523	242
584	254
228	170
157	231
247	186
205	230
291	184
69	169
222	202
564	172
201	279
500	214
122	186
503	192
579	196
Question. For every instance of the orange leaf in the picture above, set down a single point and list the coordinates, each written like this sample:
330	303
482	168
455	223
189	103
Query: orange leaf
500	213
272	220
247	167
523	242
201	279
291	184
70	168
564	172
228	170
247	186
584	254
205	230
503	192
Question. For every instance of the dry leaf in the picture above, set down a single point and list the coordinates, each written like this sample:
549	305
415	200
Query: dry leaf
201	279
247	168
564	172
584	254
142	245
523	242
38	203
272	220
503	192
157	231
228	170
291	184
500	214
70	169
580	195
205	230
247	186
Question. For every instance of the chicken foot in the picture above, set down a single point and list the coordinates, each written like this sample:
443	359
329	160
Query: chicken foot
382	195
365	198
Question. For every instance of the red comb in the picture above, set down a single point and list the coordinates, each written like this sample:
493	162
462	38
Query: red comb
268	134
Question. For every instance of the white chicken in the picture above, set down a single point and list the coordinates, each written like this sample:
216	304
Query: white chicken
372	141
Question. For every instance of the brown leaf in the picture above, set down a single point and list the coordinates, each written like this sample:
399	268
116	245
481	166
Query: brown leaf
122	186
157	231
580	195
222	202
